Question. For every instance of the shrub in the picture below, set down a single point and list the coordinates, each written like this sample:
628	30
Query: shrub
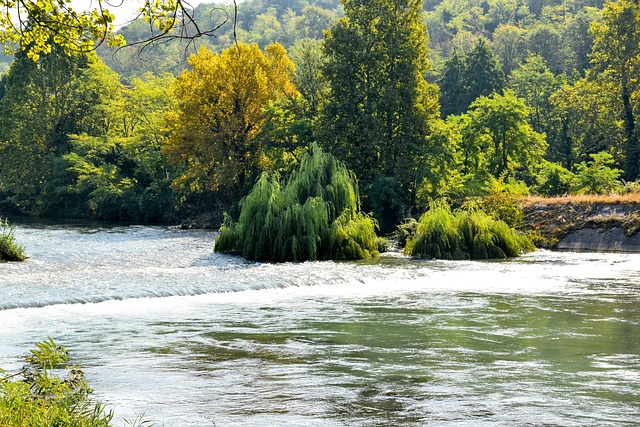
554	180
597	176
504	207
468	233
406	231
35	396
9	249
314	214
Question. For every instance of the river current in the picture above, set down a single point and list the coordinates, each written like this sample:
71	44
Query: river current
166	328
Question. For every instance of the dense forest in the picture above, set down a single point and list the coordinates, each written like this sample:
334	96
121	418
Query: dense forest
452	98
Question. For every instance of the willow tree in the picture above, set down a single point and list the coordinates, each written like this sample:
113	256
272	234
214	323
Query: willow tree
379	105
467	233
220	111
312	214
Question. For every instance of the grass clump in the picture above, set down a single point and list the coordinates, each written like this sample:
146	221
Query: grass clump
313	214
9	249
36	396
467	233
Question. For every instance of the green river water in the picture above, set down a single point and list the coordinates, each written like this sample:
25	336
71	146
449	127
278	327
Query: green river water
166	328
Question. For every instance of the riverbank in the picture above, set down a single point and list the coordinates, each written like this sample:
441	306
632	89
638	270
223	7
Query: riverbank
590	223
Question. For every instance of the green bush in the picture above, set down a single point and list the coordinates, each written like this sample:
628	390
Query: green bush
504	207
468	233
35	396
597	176
9	249
554	180
313	214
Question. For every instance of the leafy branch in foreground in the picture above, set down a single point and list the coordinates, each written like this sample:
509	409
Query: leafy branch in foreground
37	26
37	396
314	214
9	249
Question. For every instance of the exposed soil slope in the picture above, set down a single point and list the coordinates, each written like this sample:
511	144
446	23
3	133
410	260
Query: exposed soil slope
613	222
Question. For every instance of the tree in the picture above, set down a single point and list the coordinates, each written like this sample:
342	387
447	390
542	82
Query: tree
37	113
116	170
585	120
579	40
483	75
379	105
508	45
313	214
533	82
511	144
309	59
35	27
616	55
452	86
465	79
544	40
219	113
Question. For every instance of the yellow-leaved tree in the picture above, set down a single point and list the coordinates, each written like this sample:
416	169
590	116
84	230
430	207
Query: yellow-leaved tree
220	108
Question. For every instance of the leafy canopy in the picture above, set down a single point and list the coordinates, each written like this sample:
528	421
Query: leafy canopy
219	114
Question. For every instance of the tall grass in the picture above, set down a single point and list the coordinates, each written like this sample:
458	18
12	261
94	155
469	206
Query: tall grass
468	233
313	214
10	250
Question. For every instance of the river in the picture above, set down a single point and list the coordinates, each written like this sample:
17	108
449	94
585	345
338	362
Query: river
166	328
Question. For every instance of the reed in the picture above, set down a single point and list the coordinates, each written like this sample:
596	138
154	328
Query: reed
467	233
313	214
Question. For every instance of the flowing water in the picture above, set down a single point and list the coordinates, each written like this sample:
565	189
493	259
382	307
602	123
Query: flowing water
166	328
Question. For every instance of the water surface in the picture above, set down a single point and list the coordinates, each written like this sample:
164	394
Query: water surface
165	327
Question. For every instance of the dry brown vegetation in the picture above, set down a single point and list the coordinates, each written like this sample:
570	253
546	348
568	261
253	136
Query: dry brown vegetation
630	198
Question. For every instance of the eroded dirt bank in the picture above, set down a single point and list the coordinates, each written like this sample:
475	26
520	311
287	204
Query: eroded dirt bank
591	224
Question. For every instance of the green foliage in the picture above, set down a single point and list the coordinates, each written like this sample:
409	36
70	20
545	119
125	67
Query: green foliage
616	55
534	82
10	250
379	105
499	129
468	77
387	201
36	113
597	176
406	231
467	233
553	180
503	206
313	214
37	396
586	120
